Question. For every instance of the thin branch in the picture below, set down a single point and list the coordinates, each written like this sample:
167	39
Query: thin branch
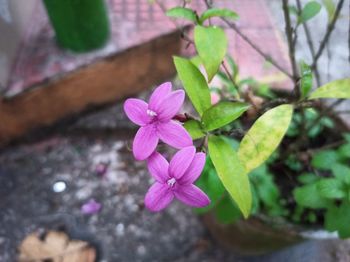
330	29
267	57
231	78
291	46
310	44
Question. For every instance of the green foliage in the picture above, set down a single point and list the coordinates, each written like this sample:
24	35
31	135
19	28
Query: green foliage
309	196
264	136
267	191
307	178
231	172
211	45
194	83
335	89
313	127
219	12
195	129
341	172
337	219
324	160
310	10
226	211
210	183
182	12
222	114
331	188
306	79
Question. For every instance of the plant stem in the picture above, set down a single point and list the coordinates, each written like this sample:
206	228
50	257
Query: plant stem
231	78
330	29
310	44
291	47
267	57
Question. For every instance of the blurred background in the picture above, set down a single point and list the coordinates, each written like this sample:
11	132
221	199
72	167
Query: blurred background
65	160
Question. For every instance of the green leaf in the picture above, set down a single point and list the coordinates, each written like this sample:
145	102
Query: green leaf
306	79
231	173
331	188
307	178
335	89
224	12
324	160
337	219
309	196
194	128
211	45
194	83
310	10
330	7
222	114
344	151
226	211
293	10
182	12
341	172
264	136
210	183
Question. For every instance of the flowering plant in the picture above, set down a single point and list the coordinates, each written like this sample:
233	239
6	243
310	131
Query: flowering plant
280	133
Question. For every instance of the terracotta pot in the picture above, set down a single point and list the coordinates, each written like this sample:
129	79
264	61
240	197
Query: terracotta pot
256	236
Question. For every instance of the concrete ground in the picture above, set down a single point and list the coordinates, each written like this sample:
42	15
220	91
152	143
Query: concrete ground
123	230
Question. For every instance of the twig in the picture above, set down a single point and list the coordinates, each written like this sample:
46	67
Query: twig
231	78
330	29
291	47
310	44
267	57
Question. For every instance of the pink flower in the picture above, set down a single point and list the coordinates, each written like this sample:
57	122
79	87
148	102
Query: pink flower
91	207
176	179
156	121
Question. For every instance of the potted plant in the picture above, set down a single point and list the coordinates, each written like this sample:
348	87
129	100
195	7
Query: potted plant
275	164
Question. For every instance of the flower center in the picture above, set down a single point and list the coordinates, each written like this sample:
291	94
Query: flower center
151	113
171	182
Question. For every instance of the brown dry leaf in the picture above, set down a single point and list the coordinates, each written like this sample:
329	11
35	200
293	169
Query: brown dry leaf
55	246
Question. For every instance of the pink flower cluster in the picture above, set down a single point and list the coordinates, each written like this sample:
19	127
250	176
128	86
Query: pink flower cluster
174	179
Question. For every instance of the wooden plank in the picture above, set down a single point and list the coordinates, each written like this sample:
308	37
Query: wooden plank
104	81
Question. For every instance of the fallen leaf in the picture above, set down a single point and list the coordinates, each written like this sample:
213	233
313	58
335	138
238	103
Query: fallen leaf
56	247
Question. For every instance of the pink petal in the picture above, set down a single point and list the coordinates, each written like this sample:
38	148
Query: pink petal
158	197
191	196
159	94
174	134
194	170
158	167
170	105
145	142
181	161
136	110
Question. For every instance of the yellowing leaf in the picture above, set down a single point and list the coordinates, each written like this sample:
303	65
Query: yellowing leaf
264	136
335	89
